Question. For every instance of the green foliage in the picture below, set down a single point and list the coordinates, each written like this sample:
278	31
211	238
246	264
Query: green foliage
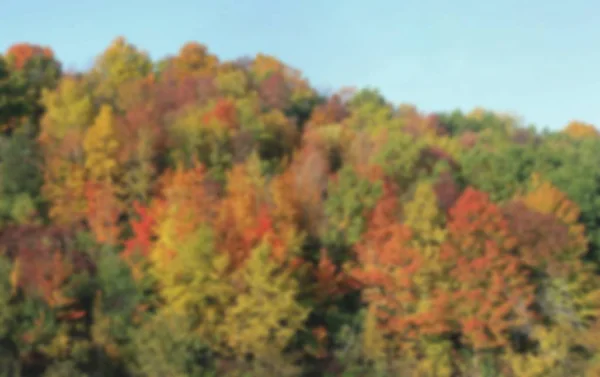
349	198
20	177
501	170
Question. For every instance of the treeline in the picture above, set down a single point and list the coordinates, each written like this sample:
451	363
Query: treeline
199	217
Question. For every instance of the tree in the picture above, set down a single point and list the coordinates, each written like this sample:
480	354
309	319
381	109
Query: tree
396	278
103	211
101	147
64	188
19	54
350	196
266	314
490	294
577	130
193	59
119	63
69	112
34	69
21	177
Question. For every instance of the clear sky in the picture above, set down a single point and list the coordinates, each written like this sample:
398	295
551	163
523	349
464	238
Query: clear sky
536	58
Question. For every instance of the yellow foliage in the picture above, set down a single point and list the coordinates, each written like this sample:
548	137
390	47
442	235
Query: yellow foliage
436	359
266	314
545	198
68	112
581	130
101	146
232	83
424	217
448	144
192	280
64	187
120	62
548	360
278	125
195	59
427	224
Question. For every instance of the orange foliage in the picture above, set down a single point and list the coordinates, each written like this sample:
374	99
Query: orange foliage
490	292
331	282
187	199
547	199
224	113
332	112
193	59
103	211
310	172
388	269
581	130
238	212
22	52
246	219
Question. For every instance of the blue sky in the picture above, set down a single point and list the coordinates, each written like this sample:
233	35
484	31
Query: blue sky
538	59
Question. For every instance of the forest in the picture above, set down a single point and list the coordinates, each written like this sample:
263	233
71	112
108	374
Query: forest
192	216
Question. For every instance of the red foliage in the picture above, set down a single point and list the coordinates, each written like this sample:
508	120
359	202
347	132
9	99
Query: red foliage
45	264
469	139
143	233
474	215
176	93
331	282
541	238
264	231
446	190
22	52
274	92
491	285
137	121
331	112
224	113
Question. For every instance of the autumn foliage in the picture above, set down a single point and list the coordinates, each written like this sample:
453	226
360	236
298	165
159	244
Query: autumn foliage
194	217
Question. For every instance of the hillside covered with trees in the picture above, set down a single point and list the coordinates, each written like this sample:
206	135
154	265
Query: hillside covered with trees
199	217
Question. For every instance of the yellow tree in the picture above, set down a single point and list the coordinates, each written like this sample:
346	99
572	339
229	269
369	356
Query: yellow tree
101	147
266	314
119	63
186	206
104	205
427	223
185	259
64	188
68	113
581	130
194	59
